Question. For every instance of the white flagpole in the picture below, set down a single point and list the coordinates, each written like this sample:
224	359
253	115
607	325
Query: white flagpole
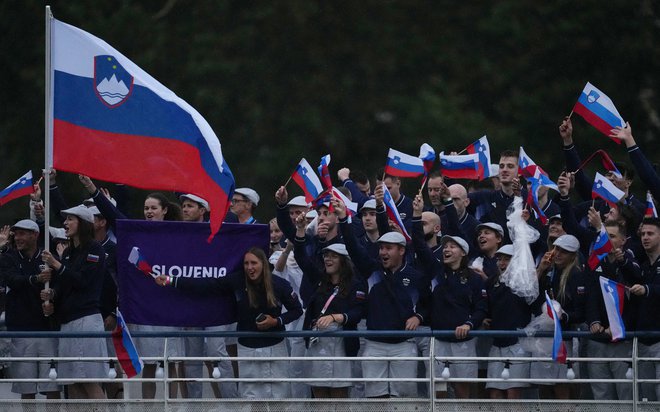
48	135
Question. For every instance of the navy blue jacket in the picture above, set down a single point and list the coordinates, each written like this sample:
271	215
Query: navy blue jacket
23	305
80	281
506	310
457	298
628	273
645	171
574	299
496	214
393	297
649	305
235	282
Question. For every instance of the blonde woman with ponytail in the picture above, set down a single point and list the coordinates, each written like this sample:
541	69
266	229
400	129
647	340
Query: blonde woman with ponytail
562	276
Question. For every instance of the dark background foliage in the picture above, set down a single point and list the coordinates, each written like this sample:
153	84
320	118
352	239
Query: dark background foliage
281	80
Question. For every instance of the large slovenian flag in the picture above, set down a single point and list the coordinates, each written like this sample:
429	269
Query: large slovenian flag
598	110
113	121
601	247
403	165
651	211
22	187
324	172
393	212
482	148
305	177
614	295
127	354
606	190
558	346
460	166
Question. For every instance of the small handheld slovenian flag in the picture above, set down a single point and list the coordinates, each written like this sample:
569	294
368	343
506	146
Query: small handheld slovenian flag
136	258
393	212
305	177
127	354
598	110
558	345
606	190
602	246
21	187
651	211
460	166
324	172
614	295
482	149
403	165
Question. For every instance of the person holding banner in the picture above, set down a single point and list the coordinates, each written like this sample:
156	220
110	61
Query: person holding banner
561	277
619	266
157	208
77	296
260	299
337	303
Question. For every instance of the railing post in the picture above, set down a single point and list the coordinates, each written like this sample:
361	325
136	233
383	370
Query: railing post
432	373
166	376
635	391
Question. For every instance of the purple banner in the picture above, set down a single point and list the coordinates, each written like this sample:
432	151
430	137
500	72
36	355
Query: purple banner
180	249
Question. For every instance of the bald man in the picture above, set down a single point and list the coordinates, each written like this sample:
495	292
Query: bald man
467	222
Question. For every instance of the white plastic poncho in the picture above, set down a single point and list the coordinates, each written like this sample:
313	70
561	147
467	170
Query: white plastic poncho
520	275
541	347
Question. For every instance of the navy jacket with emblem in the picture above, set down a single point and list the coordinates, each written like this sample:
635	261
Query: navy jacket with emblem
506	310
574	299
393	297
80	281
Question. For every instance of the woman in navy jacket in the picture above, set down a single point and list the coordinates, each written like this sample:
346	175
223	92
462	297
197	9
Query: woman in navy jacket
337	303
260	298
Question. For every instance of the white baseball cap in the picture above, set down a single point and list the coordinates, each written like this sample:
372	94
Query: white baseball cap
196	199
392	237
567	242
369	204
492	226
26	224
249	193
338	248
298	201
81	212
458	240
57	233
505	250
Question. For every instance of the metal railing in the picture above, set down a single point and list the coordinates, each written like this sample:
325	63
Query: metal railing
430	402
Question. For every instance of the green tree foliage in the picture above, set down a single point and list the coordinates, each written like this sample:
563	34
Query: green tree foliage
282	80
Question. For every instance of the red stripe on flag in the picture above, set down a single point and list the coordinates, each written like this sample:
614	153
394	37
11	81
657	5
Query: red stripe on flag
122	355
16	194
594	120
139	161
400	173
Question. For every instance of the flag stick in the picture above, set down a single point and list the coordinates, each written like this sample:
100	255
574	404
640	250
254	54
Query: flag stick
48	134
462	151
287	182
39	181
570	114
423	184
